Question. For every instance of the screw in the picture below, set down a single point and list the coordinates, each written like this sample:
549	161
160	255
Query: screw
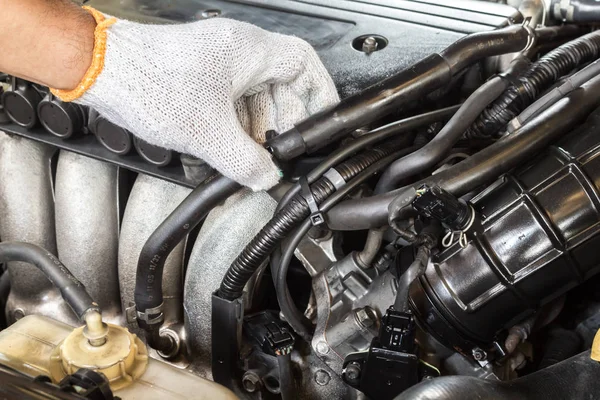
322	348
251	382
369	45
365	317
322	377
478	354
352	372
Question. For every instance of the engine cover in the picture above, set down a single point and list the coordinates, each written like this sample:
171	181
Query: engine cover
406	31
539	239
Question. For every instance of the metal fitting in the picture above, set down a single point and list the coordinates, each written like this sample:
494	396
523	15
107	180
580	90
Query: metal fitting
369	45
365	317
479	354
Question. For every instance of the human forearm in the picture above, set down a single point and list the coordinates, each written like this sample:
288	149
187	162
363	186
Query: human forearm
46	41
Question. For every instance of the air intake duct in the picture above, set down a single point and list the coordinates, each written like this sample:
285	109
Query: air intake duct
538	239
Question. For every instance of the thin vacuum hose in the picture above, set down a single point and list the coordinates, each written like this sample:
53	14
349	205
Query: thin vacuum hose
442	143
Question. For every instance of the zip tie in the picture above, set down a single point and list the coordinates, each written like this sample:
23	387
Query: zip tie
316	216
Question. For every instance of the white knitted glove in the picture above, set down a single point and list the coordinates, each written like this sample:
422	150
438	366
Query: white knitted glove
210	89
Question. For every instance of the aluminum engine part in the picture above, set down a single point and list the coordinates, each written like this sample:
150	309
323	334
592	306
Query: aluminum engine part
150	202
350	300
87	226
27	209
225	233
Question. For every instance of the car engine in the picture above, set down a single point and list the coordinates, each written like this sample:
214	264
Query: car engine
433	235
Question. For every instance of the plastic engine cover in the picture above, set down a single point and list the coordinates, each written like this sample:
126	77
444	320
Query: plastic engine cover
539	239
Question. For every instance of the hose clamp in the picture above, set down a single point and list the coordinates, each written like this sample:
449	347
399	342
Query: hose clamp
152	316
448	239
335	178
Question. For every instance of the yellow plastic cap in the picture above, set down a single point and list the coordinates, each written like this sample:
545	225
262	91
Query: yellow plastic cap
122	358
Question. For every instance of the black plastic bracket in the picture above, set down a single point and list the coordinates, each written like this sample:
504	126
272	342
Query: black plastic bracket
227	316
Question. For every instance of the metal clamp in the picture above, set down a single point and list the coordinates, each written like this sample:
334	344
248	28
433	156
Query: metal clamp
316	216
145	315
462	234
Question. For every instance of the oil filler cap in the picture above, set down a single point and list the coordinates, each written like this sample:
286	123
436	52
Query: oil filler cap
122	358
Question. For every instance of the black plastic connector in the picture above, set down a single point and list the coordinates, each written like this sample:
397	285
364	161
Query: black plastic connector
434	202
272	335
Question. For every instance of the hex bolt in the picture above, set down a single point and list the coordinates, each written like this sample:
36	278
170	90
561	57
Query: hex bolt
322	377
251	382
365	317
322	348
352	372
369	45
479	354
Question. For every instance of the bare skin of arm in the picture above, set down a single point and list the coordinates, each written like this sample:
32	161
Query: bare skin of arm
46	41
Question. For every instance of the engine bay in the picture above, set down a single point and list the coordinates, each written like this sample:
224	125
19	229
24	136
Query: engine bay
432	237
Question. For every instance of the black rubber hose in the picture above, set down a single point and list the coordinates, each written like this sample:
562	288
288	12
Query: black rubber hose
581	11
482	167
575	378
386	97
70	288
439	147
414	270
284	221
375	136
529	85
280	264
560	345
286	377
187	215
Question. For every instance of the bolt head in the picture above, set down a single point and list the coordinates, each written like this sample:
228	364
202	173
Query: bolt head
479	354
251	382
369	45
322	377
322	348
352	372
366	317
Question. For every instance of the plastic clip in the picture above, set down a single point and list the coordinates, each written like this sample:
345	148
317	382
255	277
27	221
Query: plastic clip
316	216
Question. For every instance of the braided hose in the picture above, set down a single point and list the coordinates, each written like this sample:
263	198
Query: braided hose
538	78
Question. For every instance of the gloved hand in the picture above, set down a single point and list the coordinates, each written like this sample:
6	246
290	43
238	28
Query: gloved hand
209	88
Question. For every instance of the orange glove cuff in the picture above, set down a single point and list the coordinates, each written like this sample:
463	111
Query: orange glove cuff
97	65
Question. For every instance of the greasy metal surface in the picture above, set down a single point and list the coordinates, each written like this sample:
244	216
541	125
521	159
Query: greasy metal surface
27	210
87	226
342	289
150	202
331	26
226	231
